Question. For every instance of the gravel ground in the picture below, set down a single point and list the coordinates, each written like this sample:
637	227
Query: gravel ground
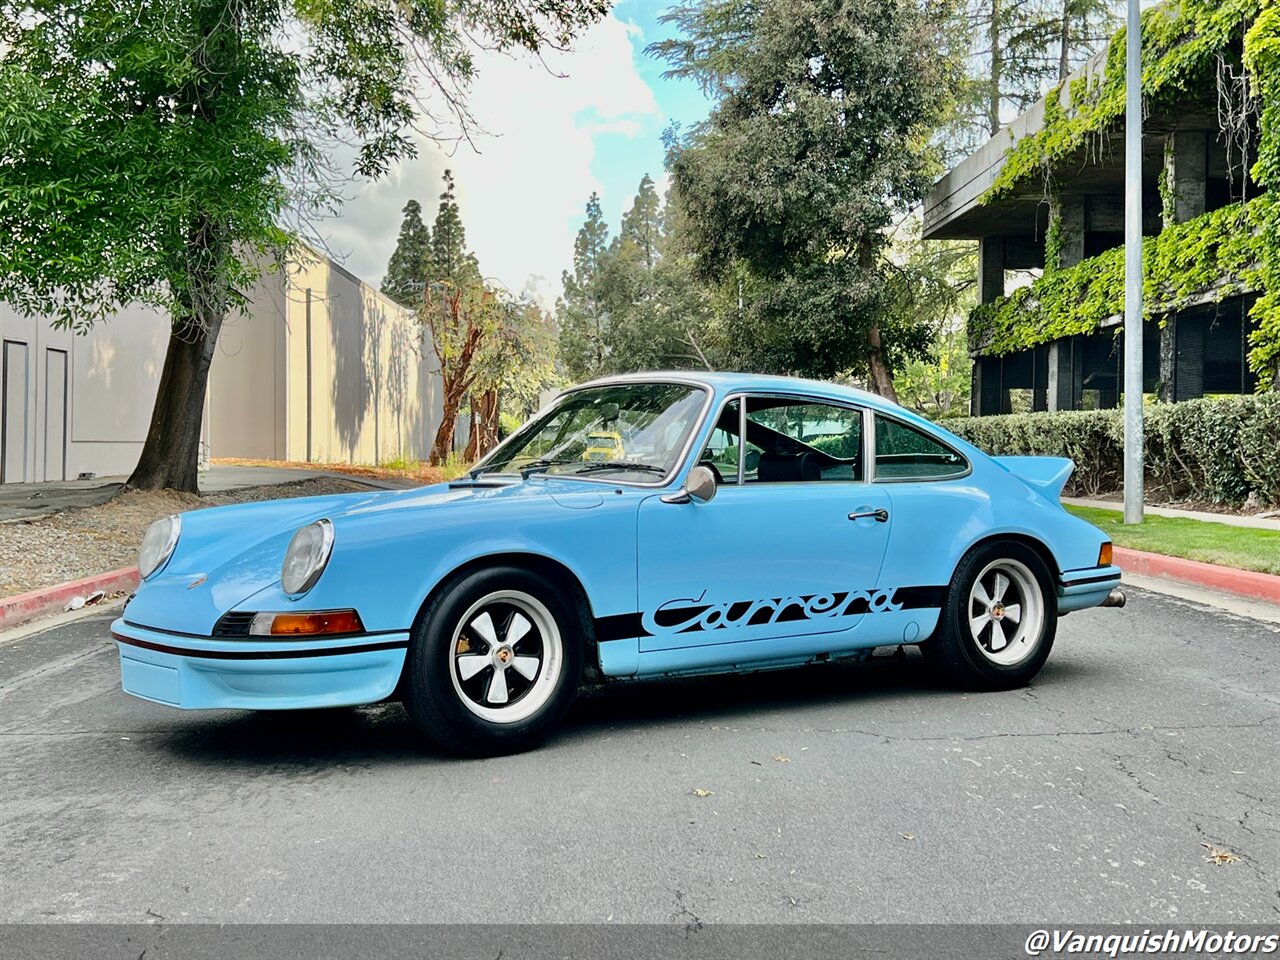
49	550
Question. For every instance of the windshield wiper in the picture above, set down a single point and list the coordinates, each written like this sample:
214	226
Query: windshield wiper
543	463
621	465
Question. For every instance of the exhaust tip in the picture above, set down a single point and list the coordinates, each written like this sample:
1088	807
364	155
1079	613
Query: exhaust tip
1115	598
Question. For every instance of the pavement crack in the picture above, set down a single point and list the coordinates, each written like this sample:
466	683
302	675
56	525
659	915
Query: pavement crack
692	922
1119	761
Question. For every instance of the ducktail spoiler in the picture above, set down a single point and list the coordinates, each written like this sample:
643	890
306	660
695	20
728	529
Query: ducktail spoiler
1045	475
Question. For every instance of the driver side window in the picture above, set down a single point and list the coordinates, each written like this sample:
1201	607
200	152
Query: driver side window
791	440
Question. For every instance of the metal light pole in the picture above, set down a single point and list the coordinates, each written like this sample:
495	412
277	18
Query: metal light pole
1133	442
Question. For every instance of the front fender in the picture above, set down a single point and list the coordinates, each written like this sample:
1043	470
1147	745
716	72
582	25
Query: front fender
386	566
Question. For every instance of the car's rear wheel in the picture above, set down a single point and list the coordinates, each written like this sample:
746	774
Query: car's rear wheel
493	663
999	619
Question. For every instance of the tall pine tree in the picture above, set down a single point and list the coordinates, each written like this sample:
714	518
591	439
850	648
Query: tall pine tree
641	231
580	312
1083	27
450	259
408	268
634	303
1017	50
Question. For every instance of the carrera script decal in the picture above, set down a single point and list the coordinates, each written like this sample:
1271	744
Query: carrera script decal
693	614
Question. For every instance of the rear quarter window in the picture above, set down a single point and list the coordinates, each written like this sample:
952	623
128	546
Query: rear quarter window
905	453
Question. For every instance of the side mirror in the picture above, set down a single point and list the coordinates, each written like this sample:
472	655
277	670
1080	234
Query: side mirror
699	487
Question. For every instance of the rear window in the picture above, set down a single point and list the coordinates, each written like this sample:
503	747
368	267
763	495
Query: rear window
905	453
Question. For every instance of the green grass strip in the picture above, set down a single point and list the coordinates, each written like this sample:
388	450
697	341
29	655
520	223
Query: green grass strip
1244	548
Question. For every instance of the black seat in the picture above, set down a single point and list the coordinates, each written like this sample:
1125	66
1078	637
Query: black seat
777	468
810	466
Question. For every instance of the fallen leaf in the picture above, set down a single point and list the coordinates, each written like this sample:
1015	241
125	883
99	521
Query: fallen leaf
699	792
1217	856
781	759
907	836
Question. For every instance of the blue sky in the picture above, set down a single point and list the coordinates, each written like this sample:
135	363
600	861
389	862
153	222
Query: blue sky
621	161
589	119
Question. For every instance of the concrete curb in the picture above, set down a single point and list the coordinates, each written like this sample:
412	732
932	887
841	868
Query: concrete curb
27	606
1242	583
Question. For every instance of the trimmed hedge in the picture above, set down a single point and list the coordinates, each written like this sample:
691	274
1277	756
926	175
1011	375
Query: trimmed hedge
1220	450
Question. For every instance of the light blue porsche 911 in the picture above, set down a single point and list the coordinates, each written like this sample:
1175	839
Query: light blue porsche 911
640	526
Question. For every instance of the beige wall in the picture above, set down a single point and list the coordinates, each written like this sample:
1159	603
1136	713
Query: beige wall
245	412
374	391
374	387
112	373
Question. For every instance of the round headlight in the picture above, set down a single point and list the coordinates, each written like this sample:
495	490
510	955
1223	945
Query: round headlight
157	545
306	557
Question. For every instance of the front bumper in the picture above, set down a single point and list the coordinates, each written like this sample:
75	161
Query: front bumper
200	673
1081	589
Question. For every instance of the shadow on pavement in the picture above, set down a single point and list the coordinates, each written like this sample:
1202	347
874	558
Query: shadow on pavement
383	733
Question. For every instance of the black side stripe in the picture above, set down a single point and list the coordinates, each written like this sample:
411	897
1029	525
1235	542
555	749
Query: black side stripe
259	654
624	626
920	598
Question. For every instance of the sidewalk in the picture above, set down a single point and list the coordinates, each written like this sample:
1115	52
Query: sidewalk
25	500
1230	519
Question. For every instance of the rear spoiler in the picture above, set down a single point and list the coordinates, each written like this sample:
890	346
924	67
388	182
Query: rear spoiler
1045	475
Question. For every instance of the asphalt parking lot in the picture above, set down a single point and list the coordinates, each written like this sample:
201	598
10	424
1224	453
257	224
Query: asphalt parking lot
1145	750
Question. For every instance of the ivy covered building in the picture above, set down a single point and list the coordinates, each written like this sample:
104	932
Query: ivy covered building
1044	198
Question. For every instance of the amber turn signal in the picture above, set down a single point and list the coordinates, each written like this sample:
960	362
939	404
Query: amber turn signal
314	624
1104	555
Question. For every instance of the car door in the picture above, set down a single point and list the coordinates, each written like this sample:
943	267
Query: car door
791	544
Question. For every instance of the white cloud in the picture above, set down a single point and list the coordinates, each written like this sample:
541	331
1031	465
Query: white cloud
523	187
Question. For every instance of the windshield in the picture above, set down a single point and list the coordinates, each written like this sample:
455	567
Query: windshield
631	431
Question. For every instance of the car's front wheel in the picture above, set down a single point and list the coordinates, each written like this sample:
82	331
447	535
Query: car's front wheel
999	619
493	663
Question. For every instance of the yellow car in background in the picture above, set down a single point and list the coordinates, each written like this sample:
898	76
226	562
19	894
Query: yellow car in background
603	445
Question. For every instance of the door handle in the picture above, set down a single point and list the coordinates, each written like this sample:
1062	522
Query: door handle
880	515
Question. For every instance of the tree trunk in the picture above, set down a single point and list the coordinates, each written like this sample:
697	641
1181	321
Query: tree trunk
170	457
443	445
472	453
488	421
171	454
1064	43
997	63
881	375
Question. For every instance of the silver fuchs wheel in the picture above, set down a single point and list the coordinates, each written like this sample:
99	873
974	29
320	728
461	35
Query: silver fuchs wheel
1006	611
998	620
507	656
494	661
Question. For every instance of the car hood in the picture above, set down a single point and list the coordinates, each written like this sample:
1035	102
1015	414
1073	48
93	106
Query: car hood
227	554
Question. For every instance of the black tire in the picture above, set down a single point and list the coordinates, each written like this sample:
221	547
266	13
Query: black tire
448	706
972	661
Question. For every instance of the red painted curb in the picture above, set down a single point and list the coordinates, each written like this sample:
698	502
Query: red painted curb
26	606
1243	583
